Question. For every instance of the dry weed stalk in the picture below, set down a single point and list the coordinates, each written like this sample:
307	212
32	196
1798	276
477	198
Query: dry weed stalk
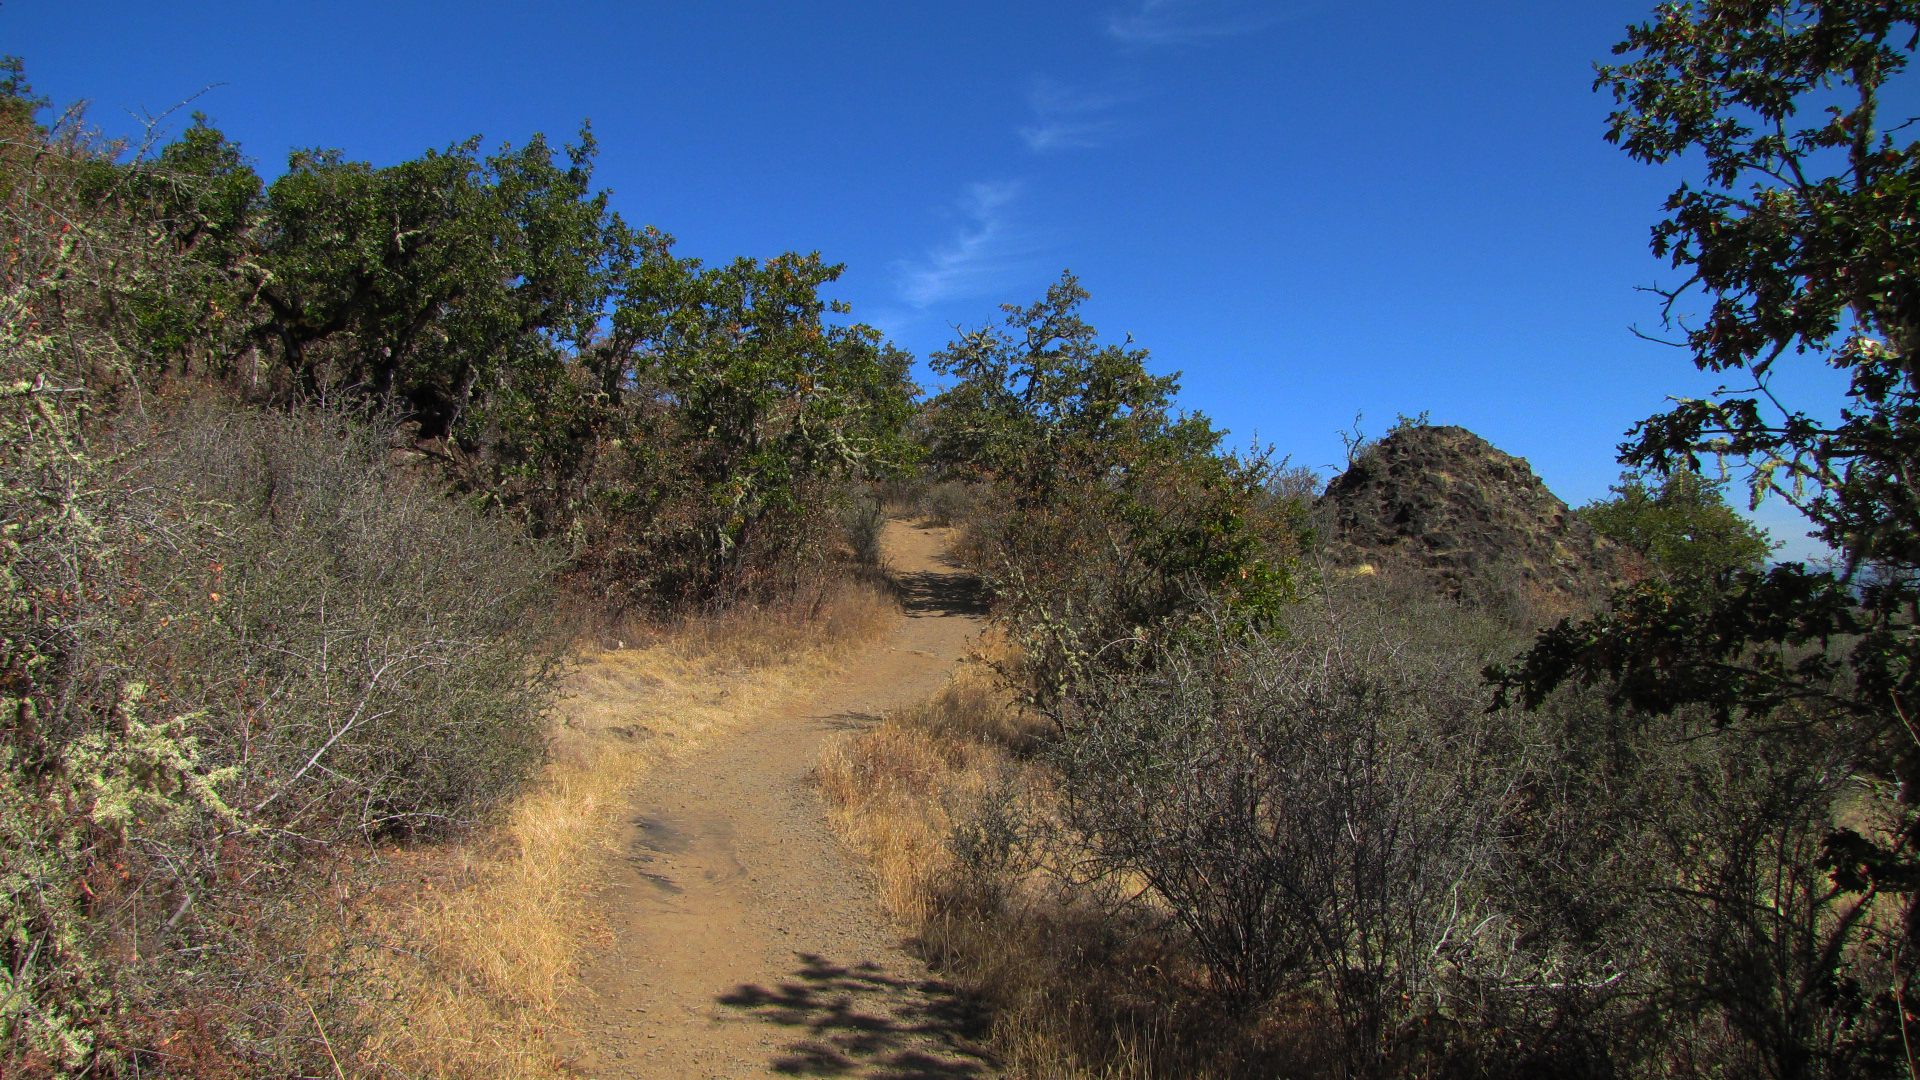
900	791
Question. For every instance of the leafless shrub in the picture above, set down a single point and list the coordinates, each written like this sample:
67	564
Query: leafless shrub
1315	810
269	642
950	502
931	501
367	654
899	497
958	819
1682	904
1369	874
863	518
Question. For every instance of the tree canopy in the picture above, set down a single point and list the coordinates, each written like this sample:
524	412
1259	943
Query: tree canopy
1120	517
1043	384
674	422
1681	524
1802	239
1799	235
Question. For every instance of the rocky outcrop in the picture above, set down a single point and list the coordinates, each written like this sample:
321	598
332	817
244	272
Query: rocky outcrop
1441	503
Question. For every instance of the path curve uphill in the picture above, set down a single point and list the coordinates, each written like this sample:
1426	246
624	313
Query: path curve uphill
746	941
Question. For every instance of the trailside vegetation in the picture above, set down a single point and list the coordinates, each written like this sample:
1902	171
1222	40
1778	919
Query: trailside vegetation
297	479
1800	236
675	426
1113	519
293	473
1680	524
1358	836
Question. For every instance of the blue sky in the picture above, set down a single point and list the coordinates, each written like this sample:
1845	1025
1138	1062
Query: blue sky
1311	209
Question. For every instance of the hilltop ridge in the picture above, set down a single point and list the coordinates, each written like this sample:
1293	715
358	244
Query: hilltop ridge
1443	503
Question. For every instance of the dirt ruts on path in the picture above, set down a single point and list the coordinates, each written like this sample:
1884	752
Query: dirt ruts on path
746	941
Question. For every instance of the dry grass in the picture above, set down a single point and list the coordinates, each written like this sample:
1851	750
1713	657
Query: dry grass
943	800
899	791
502	922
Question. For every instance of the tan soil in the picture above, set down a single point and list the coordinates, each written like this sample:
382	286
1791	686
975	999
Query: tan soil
746	942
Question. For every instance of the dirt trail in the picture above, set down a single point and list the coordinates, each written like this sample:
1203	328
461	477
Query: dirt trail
746	941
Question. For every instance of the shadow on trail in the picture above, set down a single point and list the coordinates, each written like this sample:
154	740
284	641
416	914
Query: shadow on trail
860	1021
928	592
852	721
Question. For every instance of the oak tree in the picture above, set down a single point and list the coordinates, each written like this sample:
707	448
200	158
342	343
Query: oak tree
1798	231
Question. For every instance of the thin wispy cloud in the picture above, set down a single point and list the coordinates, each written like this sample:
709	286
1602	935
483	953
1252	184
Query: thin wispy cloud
1066	118
1176	22
986	251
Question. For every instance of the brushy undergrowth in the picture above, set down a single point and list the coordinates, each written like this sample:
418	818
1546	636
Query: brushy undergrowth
951	809
266	647
236	647
1317	851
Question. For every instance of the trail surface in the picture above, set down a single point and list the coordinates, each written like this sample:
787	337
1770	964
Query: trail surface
746	942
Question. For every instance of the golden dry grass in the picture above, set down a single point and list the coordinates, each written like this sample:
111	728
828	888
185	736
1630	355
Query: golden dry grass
1079	983
503	921
897	792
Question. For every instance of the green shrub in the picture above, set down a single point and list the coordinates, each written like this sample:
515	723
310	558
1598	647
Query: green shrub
1681	524
1108	518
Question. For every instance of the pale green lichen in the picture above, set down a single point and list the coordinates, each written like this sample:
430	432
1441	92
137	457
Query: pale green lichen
146	772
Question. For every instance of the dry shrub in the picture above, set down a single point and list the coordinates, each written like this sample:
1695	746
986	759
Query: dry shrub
863	518
275	649
1319	813
1317	853
831	610
372	657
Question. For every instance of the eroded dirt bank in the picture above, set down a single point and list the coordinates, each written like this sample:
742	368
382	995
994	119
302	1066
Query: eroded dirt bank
745	940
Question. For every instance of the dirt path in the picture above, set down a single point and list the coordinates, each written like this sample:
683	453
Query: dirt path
746	941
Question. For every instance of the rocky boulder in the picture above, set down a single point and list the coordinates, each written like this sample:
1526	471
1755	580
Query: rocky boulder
1441	503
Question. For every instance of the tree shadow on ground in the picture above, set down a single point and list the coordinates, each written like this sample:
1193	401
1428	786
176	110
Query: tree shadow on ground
852	721
936	593
861	1021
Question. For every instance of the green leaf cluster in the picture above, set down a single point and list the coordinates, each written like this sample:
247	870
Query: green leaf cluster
1040	389
1681	524
676	424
